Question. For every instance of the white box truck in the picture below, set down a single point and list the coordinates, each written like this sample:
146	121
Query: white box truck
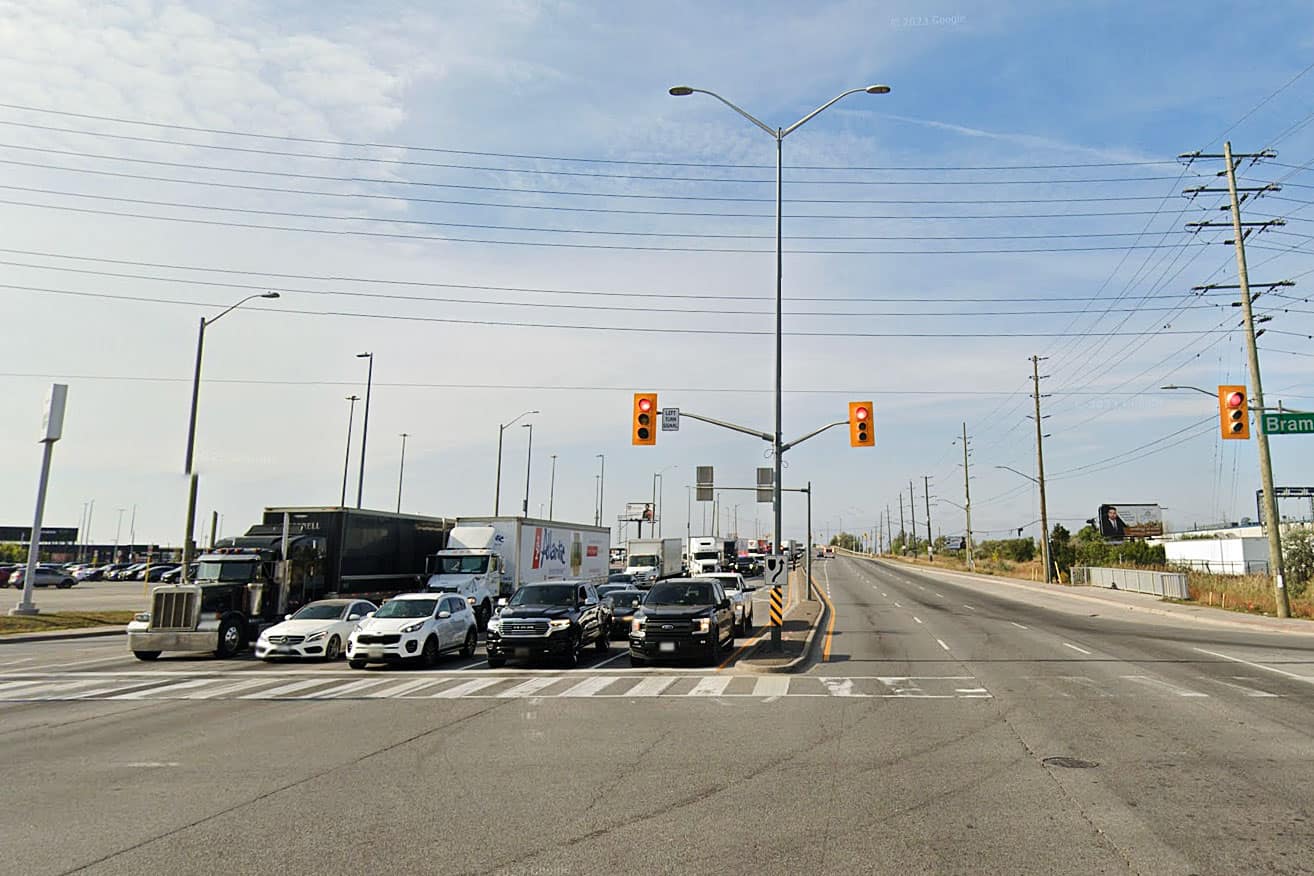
705	554
652	558
490	557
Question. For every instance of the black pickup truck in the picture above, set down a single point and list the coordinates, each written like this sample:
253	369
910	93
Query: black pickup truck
682	618
555	619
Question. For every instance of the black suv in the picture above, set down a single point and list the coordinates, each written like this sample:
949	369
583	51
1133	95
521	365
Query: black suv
552	619
682	617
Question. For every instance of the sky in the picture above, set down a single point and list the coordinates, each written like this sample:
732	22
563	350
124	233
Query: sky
502	203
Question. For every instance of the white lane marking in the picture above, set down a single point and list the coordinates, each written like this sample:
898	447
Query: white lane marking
16	685
533	685
338	690
149	764
121	685
1075	648
116	659
839	687
1298	677
650	687
1019	626
466	687
711	686
941	595
624	653
588	687
971	690
886	595
1249	691
916	618
771	686
968	607
1154	682
285	689
162	691
942	644
398	689
474	665
225	690
16	662
897	605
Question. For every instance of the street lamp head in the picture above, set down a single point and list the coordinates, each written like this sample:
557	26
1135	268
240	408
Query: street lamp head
878	89
270	295
680	91
364	355
1170	386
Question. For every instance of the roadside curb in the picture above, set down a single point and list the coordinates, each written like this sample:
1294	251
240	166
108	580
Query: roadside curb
804	660
1067	591
56	635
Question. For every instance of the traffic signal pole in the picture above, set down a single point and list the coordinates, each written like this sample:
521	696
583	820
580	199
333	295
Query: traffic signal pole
1040	471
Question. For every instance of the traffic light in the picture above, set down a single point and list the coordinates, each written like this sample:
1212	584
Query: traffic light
1233	412
860	425
645	419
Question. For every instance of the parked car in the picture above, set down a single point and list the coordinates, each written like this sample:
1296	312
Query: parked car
157	573
740	598
559	619
682	618
7	569
319	630
624	604
46	576
414	627
174	575
125	572
89	572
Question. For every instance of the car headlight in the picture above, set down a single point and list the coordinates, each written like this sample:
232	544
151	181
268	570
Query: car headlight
559	624
413	628
702	625
636	626
315	637
494	624
142	617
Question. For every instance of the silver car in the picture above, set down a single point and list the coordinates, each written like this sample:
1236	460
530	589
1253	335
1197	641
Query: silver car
45	576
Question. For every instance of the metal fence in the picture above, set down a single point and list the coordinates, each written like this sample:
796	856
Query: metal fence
1170	584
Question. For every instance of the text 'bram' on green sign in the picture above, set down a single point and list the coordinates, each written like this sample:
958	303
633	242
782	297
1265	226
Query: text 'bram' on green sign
1287	424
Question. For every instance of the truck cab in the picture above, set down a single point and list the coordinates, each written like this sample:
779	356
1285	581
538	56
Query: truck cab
473	573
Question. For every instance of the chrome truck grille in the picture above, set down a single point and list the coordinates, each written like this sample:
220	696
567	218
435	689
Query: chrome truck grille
173	610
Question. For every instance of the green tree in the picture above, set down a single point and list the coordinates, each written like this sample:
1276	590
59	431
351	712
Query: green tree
1065	553
1298	559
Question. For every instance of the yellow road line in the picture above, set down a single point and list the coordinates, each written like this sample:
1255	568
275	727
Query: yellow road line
830	627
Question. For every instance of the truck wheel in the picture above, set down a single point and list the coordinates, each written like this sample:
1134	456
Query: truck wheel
333	650
496	661
482	614
471	640
146	655
230	639
429	654
356	664
572	655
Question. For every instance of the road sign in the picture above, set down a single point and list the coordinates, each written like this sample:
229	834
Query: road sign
703	483
766	479
773	574
670	419
1287	423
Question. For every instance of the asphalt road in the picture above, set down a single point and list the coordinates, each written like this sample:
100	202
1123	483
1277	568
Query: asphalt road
86	596
918	746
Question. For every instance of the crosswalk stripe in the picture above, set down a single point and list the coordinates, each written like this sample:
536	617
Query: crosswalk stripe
527	688
56	690
466	687
1180	691
158	690
399	689
650	687
272	693
712	686
17	685
108	692
226	689
771	686
341	689
588	687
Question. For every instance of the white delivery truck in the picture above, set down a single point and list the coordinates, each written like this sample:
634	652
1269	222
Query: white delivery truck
490	557
653	558
705	554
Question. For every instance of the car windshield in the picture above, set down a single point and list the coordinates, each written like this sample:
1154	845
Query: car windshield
545	594
705	555
462	565
680	593
226	570
625	600
643	561
319	611
407	608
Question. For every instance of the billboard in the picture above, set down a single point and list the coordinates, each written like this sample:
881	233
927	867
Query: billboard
1121	522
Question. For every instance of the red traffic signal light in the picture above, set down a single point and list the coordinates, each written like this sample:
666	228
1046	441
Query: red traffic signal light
1233	412
861	433
643	425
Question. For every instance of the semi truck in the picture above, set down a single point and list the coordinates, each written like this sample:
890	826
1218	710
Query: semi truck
652	558
705	554
487	558
294	556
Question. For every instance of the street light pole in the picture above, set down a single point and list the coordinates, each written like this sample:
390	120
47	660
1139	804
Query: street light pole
365	430
602	486
401	471
189	548
779	134
346	463
552	488
497	492
529	459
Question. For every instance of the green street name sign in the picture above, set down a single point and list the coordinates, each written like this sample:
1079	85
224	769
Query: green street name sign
1287	424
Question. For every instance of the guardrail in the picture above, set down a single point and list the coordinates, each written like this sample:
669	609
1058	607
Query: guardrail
1170	584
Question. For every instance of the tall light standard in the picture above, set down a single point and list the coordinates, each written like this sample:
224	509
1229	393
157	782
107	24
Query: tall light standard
779	135
118	530
497	492
602	486
346	463
552	488
188	547
401	470
365	430
529	460
656	513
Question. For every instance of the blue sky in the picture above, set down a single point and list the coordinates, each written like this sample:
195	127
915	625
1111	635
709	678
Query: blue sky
1075	105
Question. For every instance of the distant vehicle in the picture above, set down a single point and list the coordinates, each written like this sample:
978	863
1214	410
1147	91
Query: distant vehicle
174	575
682	617
740	599
557	619
45	576
654	558
607	589
414	627
616	558
830	552
705	554
157	573
624	604
749	566
88	572
620	578
7	569
319	630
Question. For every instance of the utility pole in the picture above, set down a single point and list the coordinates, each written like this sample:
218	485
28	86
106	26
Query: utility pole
889	527
1240	230
903	533
967	492
926	491
552	488
1040	471
912	514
